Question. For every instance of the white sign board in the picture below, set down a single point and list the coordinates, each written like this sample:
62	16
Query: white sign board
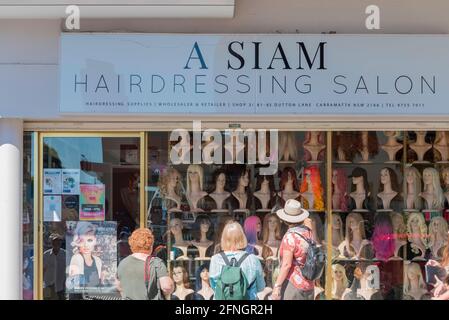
254	74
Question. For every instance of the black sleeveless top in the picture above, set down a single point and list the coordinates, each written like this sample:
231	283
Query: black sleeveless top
91	278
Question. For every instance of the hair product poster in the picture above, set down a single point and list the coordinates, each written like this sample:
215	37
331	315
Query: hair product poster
71	181
92	202
91	257
52	208
52	181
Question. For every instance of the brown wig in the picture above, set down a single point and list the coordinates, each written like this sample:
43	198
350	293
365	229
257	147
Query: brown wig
284	178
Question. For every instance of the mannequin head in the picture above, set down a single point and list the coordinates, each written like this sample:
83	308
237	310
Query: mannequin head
253	231
271	224
355	225
399	227
413	179
320	140
344	140
312	178
202	275
181	277
416	226
170	180
265	180
445	176
194	176
412	272
339	279
387	175
337	225
359	175
317	227
340	182
287	139
383	238
242	174
203	225
431	177
288	175
438	228
176	227
367	139
219	180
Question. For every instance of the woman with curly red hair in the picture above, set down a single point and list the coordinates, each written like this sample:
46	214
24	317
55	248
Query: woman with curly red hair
141	276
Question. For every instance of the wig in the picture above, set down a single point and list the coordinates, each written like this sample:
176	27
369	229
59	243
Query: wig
191	169
340	231
270	178
344	282
416	184
401	230
357	217
250	227
198	282
393	180
342	184
185	275
83	228
422	227
266	231
438	225
441	138
164	180
284	178
286	139
345	140
444	172
240	171
360	172
202	219
413	267
445	258
438	203
317	188
215	176
320	139
318	231
383	237
373	145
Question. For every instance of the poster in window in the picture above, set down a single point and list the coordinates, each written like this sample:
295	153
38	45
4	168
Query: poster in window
52	208
71	181
52	181
91	259
92	202
129	154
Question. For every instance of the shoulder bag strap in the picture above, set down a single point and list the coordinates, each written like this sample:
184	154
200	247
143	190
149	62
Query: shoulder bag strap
225	258
245	255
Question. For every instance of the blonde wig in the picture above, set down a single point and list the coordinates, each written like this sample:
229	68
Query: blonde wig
416	269
164	180
265	230
422	227
416	185
344	282
191	169
441	229
349	234
438	203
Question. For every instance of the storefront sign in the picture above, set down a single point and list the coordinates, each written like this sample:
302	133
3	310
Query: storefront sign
254	74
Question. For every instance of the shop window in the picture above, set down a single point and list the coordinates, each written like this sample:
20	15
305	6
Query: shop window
91	204
189	203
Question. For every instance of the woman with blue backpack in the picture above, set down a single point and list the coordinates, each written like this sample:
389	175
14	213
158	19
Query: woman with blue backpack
302	260
234	273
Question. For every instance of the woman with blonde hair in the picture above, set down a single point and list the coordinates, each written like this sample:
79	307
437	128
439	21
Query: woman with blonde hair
233	244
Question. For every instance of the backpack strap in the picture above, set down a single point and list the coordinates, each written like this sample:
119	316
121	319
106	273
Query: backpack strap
225	258
245	255
147	272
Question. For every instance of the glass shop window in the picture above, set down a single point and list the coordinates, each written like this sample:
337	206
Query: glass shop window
90	207
190	203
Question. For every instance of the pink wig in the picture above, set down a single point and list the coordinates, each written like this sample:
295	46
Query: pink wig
342	183
250	227
383	237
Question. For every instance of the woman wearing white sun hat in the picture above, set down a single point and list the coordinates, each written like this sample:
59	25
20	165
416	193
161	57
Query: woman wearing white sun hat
290	284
